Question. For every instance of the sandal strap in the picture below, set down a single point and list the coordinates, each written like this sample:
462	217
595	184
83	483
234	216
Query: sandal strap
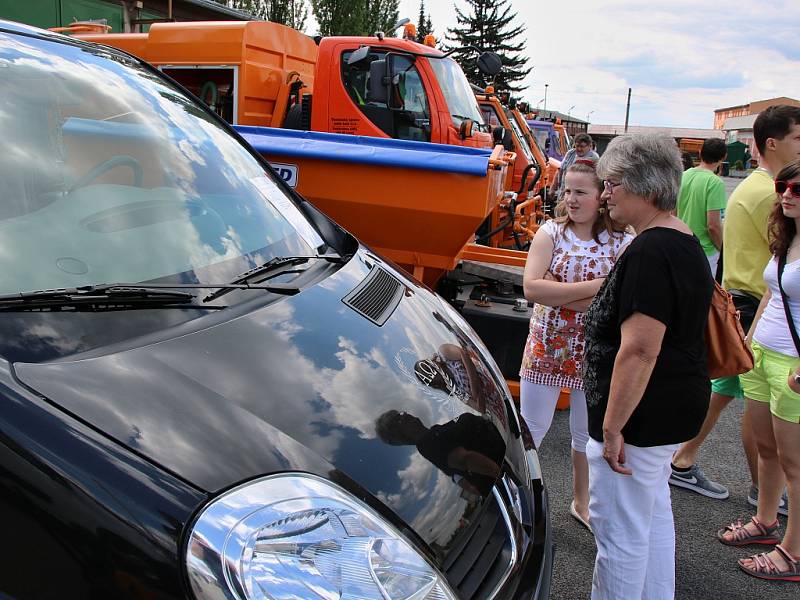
794	562
764	564
765	530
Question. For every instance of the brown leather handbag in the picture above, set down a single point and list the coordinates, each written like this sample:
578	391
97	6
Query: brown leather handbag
727	352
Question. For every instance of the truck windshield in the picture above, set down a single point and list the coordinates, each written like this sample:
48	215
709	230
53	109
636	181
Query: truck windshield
523	141
111	174
540	135
457	92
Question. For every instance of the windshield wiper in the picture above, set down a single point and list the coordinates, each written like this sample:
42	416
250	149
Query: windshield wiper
97	297
272	268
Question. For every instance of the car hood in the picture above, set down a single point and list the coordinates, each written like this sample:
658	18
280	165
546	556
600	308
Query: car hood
302	384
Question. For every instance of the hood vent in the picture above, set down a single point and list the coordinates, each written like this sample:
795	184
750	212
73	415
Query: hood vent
376	297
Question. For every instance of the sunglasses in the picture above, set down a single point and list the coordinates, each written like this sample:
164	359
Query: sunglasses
782	186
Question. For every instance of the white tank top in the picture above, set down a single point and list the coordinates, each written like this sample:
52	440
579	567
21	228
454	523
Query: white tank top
772	330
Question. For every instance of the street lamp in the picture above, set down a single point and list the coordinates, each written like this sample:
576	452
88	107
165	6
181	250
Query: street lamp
545	96
539	103
589	115
569	112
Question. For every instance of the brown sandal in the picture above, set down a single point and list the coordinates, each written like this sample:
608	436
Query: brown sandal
765	567
767	534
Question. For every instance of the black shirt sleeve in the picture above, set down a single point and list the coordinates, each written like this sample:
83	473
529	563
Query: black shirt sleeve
646	286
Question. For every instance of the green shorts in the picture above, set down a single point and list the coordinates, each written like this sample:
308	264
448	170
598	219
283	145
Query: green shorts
768	381
727	386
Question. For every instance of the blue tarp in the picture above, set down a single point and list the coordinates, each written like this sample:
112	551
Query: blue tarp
274	143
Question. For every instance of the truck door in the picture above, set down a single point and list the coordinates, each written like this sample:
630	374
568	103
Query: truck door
400	109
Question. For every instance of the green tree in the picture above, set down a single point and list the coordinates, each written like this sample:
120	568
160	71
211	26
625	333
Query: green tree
381	15
488	25
424	25
340	17
292	13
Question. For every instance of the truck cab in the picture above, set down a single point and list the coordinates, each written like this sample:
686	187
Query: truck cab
265	74
394	88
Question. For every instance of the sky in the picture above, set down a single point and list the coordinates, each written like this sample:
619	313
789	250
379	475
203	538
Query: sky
682	58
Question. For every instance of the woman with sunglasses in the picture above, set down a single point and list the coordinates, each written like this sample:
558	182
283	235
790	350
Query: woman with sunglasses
645	374
772	389
568	260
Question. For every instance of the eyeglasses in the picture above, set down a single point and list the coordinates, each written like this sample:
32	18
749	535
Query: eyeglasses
610	185
782	186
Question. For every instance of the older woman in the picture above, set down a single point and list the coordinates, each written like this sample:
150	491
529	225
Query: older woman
645	374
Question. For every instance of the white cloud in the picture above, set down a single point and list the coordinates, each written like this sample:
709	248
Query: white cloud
682	59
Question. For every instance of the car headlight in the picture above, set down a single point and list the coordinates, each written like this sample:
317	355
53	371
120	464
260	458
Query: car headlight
301	537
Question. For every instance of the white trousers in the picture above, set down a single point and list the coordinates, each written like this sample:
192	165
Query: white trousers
538	404
631	517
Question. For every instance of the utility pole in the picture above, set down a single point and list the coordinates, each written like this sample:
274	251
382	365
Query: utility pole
628	110
545	96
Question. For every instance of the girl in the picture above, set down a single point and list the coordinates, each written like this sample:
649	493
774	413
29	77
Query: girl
567	262
772	389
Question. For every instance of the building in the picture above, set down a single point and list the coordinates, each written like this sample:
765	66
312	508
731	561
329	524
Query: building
123	16
602	134
753	108
572	124
737	121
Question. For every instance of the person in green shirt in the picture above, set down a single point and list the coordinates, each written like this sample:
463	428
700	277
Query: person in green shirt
745	254
702	199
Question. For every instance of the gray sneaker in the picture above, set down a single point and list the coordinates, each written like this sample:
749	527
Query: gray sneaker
694	479
783	507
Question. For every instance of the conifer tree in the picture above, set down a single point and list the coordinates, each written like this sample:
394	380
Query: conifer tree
488	25
424	25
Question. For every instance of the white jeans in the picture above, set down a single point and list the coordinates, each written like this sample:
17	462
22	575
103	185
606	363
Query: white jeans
538	404
631	517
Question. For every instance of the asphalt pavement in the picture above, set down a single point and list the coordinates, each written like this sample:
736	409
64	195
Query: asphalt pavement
731	183
705	569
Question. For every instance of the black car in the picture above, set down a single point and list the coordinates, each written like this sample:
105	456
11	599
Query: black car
211	390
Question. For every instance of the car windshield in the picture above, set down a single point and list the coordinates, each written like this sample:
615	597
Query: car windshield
111	174
457	92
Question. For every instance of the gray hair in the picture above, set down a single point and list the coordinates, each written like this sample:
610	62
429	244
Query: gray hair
647	165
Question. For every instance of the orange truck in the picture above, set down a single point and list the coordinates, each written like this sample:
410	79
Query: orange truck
266	74
517	222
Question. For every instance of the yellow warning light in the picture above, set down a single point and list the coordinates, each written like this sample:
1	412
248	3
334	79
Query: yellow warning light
409	31
430	40
489	90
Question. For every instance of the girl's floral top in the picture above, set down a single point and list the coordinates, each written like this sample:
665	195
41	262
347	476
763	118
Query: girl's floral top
554	350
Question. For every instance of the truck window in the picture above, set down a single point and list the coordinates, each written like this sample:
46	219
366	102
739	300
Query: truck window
540	135
490	117
406	116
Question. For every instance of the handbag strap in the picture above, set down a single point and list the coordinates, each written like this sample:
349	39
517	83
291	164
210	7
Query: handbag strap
789	320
